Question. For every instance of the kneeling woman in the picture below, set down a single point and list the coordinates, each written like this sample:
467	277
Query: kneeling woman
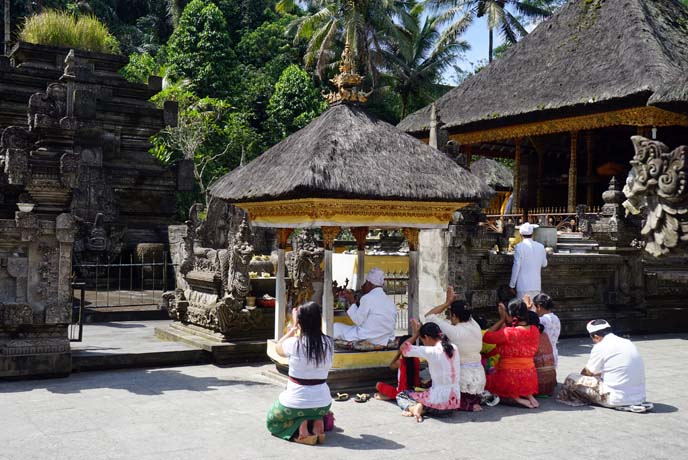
307	397
444	363
515	379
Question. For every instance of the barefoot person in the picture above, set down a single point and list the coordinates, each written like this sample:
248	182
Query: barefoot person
444	396
375	315
613	377
307	397
515	379
464	332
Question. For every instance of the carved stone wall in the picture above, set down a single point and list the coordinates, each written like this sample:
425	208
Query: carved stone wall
35	302
95	127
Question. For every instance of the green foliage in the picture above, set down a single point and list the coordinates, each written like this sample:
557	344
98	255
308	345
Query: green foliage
295	103
59	28
140	67
199	49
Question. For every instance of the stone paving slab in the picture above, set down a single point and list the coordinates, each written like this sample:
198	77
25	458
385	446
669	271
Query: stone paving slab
210	412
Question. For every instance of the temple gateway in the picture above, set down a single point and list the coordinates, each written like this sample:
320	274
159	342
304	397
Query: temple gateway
561	106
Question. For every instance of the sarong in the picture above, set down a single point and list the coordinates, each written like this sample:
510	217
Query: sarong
284	422
581	390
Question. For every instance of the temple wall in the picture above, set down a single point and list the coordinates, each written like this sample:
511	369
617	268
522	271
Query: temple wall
634	291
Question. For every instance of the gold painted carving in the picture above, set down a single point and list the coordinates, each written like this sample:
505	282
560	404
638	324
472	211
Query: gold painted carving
638	116
329	235
283	235
301	212
360	233
411	235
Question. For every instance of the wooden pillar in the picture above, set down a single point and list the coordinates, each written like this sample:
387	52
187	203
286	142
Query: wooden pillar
589	171
280	286
329	234
573	173
540	177
411	235
516	202
360	233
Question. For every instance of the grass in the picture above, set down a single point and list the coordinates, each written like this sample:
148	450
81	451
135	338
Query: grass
59	28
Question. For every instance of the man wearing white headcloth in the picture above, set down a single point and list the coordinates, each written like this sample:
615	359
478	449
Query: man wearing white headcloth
529	258
374	316
613	377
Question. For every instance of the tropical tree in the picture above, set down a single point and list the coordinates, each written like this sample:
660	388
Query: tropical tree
458	15
416	60
199	49
329	23
294	103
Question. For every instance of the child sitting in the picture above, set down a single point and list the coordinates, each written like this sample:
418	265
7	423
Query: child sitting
408	376
544	305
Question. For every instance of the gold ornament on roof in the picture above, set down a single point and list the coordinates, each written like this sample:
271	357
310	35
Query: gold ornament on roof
347	80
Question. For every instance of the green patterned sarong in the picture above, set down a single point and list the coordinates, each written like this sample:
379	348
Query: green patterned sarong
284	422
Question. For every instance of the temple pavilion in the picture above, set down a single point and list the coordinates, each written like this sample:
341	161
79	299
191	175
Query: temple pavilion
348	169
564	101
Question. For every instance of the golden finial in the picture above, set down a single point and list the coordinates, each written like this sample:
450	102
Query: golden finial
347	80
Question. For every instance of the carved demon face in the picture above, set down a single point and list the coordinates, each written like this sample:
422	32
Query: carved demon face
657	188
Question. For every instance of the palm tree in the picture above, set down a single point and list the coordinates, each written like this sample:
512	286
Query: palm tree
416	60
327	24
458	15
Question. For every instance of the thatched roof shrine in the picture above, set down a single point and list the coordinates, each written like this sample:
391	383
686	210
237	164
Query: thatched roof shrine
357	163
495	174
625	58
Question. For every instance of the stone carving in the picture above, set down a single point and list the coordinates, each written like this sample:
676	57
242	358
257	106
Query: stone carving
657	187
14	154
303	265
47	109
215	282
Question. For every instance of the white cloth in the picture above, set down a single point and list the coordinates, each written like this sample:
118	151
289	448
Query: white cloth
529	258
621	368
468	338
375	319
527	228
553	330
376	277
444	371
305	396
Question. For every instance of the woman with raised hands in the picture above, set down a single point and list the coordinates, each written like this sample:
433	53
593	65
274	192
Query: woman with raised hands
298	413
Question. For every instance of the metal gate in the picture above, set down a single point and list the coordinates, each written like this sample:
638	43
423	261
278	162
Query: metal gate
124	282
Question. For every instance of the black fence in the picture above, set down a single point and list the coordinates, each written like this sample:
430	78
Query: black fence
124	282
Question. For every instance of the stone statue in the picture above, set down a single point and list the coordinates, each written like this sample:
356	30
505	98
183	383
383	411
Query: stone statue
657	188
237	285
303	266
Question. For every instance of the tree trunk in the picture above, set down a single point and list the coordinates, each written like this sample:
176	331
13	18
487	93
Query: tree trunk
491	44
7	27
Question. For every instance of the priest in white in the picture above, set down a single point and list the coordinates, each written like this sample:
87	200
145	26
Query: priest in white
529	258
613	377
375	315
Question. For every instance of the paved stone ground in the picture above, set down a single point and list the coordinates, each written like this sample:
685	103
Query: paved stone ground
209	412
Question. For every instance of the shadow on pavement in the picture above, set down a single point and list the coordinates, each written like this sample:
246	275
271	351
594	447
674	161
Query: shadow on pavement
119	325
150	383
364	442
662	409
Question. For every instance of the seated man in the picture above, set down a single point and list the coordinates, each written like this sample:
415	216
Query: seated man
375	315
614	376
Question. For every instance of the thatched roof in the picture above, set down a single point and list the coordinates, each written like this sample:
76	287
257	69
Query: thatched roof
495	174
591	55
347	153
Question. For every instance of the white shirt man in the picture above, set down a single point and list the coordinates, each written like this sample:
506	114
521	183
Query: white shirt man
374	317
529	258
614	376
